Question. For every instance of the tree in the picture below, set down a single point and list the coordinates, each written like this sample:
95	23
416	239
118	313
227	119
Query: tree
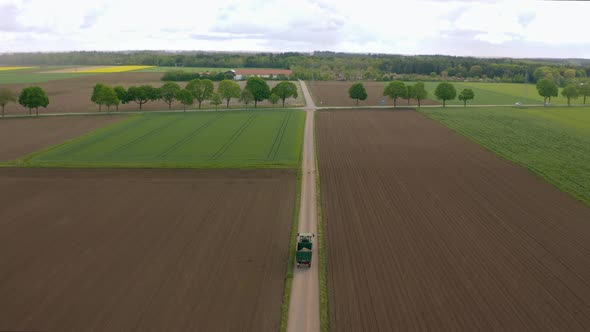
33	97
547	89
246	97
6	96
201	89
216	100
169	92
109	97
357	91
229	89
569	74
274	99
476	70
570	92
585	90
465	95
395	90
122	95
97	95
142	94
445	91
185	97
259	89
410	93
420	91
285	90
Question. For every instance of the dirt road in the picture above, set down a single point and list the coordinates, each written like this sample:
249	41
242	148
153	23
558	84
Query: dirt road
304	305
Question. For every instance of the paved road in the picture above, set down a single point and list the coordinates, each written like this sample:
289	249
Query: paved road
304	308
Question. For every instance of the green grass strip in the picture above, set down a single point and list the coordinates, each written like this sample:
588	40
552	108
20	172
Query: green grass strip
292	240
322	266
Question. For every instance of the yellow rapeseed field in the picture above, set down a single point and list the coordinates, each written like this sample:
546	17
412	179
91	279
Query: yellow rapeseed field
115	69
13	68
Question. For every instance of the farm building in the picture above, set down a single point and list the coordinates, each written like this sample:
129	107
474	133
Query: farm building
261	72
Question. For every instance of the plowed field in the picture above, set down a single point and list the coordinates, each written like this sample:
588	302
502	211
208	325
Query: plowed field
336	94
428	231
22	136
143	250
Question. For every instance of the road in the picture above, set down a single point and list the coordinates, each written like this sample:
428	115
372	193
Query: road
304	306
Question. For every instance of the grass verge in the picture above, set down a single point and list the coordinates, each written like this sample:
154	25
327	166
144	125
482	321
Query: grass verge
291	262
323	269
292	246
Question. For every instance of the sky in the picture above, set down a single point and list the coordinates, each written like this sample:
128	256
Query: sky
469	28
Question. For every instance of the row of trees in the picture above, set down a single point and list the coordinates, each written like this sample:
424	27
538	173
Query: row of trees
547	88
30	97
397	89
327	65
196	91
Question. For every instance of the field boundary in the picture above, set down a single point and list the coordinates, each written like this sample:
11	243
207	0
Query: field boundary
530	168
25	160
322	266
93	136
292	246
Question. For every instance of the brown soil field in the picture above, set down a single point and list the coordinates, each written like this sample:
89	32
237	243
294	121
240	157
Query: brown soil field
143	250
427	231
21	136
73	95
335	93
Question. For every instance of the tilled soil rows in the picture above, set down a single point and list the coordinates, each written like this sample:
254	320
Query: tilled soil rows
336	94
22	136
427	231
143	250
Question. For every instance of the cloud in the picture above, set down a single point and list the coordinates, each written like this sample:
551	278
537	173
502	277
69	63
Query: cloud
478	28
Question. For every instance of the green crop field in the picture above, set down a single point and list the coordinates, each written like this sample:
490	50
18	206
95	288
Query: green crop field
553	142
223	139
36	75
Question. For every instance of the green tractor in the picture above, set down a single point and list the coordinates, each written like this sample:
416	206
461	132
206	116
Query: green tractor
304	245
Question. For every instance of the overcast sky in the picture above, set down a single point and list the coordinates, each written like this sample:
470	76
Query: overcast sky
473	28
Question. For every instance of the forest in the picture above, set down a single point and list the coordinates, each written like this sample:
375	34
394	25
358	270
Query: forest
322	65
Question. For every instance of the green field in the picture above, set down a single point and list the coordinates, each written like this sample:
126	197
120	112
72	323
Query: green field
223	139
36	75
553	142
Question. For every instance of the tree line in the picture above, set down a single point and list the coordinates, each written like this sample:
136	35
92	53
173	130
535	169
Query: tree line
397	89
331	65
30	97
179	75
547	88
196	91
